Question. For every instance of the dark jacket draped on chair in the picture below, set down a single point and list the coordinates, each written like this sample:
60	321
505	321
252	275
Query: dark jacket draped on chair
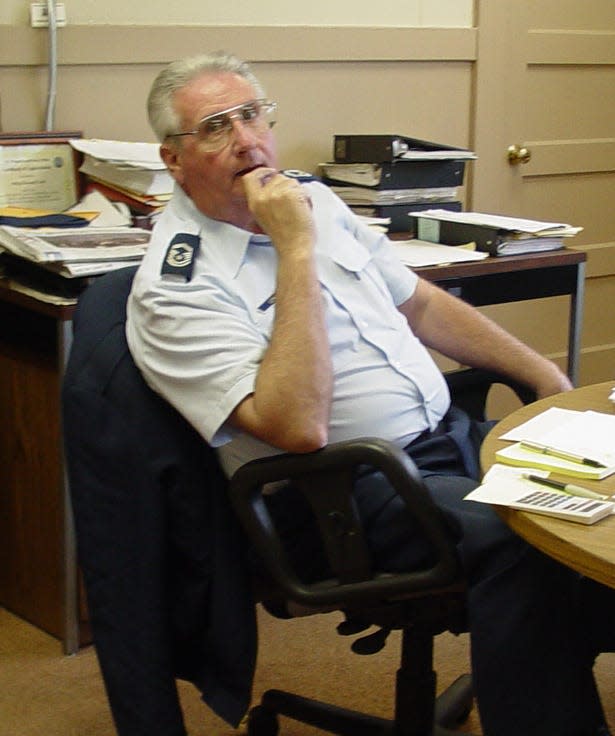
155	535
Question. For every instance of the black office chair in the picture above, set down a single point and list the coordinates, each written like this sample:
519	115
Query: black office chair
159	547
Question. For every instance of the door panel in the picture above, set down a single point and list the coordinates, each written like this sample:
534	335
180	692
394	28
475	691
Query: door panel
545	81
551	91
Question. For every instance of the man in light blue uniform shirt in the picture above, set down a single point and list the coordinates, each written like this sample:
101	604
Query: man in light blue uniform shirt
386	383
274	321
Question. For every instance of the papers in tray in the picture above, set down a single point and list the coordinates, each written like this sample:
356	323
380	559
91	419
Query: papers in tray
586	434
505	486
418	253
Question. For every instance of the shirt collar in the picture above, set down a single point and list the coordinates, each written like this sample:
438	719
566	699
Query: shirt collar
228	243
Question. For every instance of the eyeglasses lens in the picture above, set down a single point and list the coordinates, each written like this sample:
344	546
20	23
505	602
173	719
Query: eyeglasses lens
258	116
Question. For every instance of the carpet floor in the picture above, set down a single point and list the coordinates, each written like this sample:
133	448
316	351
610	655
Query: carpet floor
44	693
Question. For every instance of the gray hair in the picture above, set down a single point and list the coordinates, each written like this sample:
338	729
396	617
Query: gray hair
161	113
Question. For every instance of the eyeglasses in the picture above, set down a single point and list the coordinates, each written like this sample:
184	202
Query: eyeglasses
214	132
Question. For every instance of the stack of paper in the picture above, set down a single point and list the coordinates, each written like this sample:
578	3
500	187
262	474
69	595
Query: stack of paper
133	172
417	253
443	154
572	443
364	195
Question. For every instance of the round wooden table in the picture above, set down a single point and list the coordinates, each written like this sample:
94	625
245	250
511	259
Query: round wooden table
588	549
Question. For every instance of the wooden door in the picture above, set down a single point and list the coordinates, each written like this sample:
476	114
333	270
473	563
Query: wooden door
545	82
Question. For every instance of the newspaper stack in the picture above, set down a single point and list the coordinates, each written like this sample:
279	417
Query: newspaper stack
76	252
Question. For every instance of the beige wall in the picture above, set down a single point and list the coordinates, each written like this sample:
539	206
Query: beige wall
417	78
326	80
449	13
109	53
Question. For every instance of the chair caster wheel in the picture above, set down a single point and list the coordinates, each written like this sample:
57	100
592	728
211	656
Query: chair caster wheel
262	722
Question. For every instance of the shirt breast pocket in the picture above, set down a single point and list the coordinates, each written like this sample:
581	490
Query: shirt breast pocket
343	333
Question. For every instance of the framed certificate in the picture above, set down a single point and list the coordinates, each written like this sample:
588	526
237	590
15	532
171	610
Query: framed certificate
38	170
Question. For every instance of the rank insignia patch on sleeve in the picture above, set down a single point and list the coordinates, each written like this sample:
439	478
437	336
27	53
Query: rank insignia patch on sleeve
180	255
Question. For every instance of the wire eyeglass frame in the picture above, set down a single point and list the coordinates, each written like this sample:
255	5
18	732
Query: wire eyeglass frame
215	131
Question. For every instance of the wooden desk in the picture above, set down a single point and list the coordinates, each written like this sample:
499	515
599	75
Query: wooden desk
587	549
38	567
38	579
519	278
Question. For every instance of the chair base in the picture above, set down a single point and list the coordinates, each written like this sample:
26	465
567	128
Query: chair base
452	708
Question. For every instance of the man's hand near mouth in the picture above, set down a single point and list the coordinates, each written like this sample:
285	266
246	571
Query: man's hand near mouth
281	207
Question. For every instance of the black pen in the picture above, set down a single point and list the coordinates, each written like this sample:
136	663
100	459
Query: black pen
569	488
562	454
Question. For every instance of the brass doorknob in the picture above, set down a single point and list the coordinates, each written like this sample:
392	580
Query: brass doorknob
518	154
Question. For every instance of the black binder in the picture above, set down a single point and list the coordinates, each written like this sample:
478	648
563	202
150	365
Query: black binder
458	233
380	148
492	240
404	174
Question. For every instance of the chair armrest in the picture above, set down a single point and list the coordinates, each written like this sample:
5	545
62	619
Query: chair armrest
469	388
327	479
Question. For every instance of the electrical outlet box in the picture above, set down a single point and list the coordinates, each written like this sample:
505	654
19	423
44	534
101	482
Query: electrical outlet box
39	17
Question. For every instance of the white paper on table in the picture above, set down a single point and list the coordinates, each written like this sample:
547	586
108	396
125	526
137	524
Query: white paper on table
536	428
589	433
418	253
503	484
